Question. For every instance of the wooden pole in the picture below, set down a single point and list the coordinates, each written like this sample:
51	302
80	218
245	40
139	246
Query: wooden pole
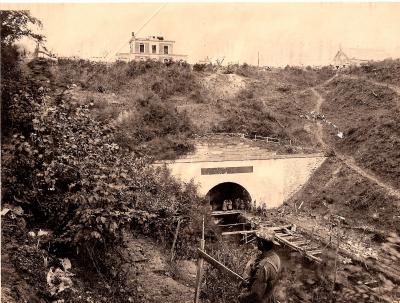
200	262
336	257
175	238
219	265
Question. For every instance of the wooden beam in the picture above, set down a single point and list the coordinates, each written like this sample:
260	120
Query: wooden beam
242	232
277	228
234	224
239	232
226	212
315	252
298	243
175	238
218	264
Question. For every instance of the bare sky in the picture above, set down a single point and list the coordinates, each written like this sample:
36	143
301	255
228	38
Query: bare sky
282	33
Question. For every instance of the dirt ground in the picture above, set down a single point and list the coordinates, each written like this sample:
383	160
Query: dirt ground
157	279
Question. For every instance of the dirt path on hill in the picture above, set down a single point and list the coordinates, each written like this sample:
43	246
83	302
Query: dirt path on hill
348	160
157	280
319	131
394	88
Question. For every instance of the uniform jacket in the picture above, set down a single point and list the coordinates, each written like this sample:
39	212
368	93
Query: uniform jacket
262	273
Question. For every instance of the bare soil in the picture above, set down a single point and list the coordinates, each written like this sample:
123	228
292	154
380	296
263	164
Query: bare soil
156	278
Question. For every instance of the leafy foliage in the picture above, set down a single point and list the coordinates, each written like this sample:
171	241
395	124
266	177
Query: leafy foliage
16	24
155	128
68	174
251	117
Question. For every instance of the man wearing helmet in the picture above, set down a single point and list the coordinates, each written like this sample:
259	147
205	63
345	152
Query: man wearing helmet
262	271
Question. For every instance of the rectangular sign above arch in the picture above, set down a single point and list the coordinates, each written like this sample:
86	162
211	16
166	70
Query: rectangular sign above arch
227	170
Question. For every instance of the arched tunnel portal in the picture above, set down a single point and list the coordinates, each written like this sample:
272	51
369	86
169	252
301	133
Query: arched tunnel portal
228	191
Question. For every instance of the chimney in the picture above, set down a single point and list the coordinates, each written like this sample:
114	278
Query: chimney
133	34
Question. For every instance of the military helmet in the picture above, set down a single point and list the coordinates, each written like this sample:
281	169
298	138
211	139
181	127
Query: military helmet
267	235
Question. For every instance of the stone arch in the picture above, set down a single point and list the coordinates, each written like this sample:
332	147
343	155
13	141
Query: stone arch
227	191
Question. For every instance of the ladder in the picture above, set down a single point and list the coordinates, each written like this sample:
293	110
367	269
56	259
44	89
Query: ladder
289	237
286	235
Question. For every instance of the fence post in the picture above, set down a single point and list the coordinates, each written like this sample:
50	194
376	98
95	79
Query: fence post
336	257
175	238
200	262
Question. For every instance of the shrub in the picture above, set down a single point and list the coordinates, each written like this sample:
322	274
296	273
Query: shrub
220	287
156	128
199	67
67	173
249	117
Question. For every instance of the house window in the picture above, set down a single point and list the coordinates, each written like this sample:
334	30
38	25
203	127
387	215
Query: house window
141	48
153	49
166	49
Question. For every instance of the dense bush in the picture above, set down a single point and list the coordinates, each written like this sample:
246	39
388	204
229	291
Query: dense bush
250	117
155	128
162	79
387	71
67	173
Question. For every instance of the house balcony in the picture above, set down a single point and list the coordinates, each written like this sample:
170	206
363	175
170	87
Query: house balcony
147	56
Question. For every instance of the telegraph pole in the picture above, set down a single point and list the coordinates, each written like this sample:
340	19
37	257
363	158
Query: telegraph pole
258	59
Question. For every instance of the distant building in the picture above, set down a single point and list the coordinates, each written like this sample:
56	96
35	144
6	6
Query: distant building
153	47
206	60
357	56
42	52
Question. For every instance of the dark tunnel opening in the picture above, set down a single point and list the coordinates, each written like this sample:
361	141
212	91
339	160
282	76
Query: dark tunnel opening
228	191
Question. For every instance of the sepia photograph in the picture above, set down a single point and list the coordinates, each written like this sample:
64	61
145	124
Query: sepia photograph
200	152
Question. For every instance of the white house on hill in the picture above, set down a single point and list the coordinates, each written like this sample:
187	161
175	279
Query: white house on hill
153	47
357	56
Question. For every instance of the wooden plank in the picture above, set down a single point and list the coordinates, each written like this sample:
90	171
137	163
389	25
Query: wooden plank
282	235
253	231
299	243
276	228
239	232
218	264
234	224
287	238
175	238
226	212
315	252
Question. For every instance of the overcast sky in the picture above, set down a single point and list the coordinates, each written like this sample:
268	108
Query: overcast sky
282	33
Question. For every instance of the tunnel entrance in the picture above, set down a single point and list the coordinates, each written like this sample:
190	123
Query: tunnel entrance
228	201
229	191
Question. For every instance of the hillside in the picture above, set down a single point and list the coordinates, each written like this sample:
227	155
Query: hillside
76	165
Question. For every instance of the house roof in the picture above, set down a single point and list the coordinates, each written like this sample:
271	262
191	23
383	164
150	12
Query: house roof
150	38
365	54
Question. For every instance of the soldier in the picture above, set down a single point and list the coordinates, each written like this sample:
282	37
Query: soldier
242	205
264	210
254	206
236	203
262	272
229	204
225	205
